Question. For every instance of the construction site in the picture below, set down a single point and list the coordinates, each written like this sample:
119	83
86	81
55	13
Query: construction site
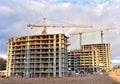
47	55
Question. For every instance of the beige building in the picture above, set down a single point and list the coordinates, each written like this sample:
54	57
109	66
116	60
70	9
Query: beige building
104	54
38	56
87	60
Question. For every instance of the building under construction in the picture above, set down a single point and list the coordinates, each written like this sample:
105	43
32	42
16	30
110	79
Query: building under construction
104	54
42	55
86	60
91	58
74	60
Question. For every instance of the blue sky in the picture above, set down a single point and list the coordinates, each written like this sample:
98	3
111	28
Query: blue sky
16	14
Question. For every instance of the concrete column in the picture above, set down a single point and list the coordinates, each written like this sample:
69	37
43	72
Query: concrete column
54	59
27	71
93	64
49	58
9	59
60	61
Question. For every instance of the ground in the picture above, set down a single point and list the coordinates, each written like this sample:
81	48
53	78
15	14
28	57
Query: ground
112	78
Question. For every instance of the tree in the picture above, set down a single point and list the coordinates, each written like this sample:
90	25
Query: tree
2	63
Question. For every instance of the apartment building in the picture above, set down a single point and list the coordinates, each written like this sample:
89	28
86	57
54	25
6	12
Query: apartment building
104	54
42	55
87	60
74	60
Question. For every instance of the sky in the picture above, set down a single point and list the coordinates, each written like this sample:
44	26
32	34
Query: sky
15	15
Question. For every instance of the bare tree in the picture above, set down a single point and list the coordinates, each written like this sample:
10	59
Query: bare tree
2	63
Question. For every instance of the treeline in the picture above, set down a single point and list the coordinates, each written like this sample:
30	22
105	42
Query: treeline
2	63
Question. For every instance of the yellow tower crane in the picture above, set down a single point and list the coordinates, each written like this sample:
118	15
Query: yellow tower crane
88	31
44	25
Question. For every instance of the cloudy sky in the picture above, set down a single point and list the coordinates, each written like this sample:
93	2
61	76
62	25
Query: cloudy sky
16	14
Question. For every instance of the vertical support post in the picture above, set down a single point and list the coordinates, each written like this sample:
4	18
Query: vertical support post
44	26
60	56
54	62
27	72
80	40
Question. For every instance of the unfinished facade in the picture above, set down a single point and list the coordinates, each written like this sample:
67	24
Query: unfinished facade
89	60
104	54
38	56
86	60
74	60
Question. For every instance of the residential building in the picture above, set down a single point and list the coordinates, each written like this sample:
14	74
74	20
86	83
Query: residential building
89	60
85	60
74	60
42	55
104	54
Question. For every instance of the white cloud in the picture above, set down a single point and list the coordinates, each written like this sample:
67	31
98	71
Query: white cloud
116	61
97	9
5	11
3	56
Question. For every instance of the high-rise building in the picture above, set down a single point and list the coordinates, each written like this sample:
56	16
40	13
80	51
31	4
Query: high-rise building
42	55
104	54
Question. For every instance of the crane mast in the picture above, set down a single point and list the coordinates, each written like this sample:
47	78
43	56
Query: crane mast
102	36
44	27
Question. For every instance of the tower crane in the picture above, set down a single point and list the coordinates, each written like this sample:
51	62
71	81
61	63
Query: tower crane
88	31
44	25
